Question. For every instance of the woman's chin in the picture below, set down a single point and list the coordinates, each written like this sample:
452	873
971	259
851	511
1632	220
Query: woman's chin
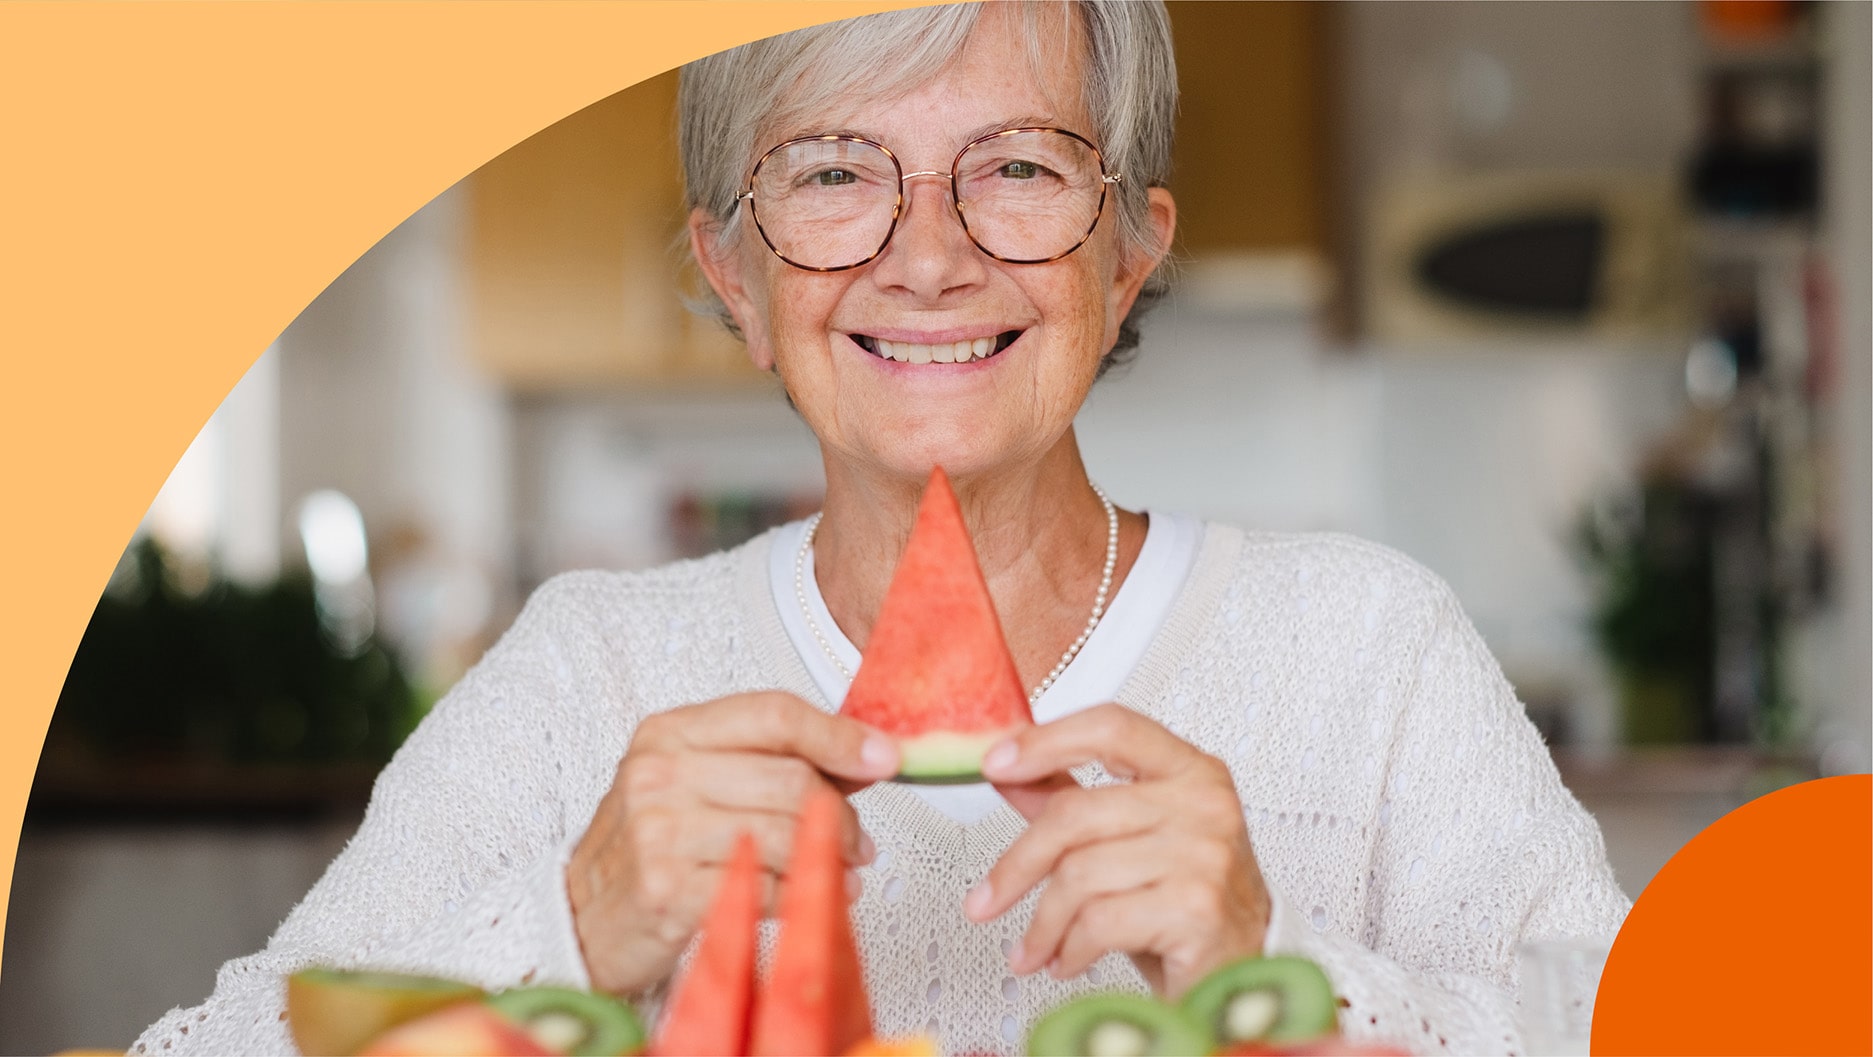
964	452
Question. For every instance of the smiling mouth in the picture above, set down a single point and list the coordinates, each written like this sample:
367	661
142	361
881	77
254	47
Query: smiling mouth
950	352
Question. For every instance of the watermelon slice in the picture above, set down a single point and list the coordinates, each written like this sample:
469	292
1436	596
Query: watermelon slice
937	674
710	1011
814	1002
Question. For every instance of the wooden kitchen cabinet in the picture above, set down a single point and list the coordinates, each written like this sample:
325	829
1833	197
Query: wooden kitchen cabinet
573	261
1252	169
1254	166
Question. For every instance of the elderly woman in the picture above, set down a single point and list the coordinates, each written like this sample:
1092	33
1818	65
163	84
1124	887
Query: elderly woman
936	227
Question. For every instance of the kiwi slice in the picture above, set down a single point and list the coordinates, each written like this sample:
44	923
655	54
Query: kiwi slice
1280	999
334	1012
575	1023
1111	1025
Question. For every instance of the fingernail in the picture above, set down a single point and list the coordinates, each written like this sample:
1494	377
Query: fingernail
854	884
1000	758
867	850
879	755
1018	956
976	903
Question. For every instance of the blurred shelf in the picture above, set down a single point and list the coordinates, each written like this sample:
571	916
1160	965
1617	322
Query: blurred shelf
1651	802
1681	770
171	792
1752	240
1796	49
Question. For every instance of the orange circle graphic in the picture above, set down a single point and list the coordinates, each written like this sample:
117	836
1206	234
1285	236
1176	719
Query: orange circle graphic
1756	938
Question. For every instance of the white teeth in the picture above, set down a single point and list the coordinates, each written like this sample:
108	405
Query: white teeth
953	352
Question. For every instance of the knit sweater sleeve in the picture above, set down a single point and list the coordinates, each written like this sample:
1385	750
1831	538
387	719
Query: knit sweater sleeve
458	868
1479	848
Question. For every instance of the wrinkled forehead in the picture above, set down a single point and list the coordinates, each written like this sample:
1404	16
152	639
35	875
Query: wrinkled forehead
859	72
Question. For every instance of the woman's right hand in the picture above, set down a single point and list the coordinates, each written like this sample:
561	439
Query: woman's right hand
647	868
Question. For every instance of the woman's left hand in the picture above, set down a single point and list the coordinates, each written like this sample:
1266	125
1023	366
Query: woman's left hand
1159	867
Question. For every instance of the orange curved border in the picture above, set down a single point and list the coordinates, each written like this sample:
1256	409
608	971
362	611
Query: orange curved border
181	179
1756	938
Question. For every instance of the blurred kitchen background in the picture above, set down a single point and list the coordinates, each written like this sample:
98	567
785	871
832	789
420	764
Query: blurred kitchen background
1566	301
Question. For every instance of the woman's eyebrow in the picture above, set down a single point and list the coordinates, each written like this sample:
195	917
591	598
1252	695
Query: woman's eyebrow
1023	121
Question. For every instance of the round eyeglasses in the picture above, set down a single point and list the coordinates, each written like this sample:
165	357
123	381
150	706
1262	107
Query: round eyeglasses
1023	195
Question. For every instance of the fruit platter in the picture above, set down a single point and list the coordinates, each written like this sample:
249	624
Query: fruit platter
1255	1006
812	1001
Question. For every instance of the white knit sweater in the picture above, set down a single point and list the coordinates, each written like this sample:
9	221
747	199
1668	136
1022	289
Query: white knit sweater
1399	801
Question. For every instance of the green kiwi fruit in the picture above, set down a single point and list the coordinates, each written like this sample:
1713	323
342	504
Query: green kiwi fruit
575	1023
1116	1025
333	1012
1279	999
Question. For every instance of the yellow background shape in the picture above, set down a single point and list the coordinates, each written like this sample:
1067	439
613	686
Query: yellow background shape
178	181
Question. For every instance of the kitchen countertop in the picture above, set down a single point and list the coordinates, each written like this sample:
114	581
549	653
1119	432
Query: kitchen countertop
1650	802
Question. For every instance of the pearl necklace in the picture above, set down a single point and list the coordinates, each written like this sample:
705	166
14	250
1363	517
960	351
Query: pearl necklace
1099	600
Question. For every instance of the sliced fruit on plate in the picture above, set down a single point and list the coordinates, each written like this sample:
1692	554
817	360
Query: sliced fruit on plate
937	674
712	1007
814	1002
1260	1000
466	1029
574	1023
1116	1025
332	1012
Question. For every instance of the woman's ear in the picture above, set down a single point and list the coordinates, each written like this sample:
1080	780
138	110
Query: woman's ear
1138	262
722	266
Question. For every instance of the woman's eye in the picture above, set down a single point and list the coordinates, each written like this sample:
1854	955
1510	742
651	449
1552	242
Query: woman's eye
833	178
1020	170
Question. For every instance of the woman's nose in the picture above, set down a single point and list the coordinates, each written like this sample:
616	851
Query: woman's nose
929	254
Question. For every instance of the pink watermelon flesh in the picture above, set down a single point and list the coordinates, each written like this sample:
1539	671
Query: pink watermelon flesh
709	1013
937	674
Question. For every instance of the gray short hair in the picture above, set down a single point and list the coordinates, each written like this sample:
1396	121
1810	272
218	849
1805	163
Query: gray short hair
728	100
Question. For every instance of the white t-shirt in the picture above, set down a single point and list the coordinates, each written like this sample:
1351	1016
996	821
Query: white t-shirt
1130	622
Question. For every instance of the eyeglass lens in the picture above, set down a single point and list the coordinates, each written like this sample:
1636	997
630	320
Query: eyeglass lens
1022	196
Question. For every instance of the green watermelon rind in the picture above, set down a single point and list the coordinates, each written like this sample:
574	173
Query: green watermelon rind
944	757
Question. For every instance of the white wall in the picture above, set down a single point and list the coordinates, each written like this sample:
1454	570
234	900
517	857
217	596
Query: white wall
1474	464
382	403
221	501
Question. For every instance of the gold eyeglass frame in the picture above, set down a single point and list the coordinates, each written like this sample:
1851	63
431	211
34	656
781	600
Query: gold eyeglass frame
958	206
